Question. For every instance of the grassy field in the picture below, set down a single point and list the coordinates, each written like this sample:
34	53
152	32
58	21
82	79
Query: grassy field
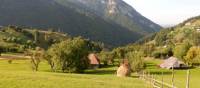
19	75
180	75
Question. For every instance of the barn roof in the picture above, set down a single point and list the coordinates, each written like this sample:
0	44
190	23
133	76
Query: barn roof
94	59
172	62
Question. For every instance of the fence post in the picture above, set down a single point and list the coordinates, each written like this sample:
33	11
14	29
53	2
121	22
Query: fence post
162	80
154	80
151	80
143	75
173	76
188	79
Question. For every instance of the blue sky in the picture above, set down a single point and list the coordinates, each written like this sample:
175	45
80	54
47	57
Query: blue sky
167	12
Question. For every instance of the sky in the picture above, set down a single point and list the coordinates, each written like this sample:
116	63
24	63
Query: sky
167	12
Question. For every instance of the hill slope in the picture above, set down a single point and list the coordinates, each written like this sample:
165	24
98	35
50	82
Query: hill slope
188	31
70	19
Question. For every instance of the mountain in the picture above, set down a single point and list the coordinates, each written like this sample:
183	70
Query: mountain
110	21
117	11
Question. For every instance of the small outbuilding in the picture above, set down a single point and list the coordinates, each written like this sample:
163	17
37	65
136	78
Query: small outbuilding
173	62
94	60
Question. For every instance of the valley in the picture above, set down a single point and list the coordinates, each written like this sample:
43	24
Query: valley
94	44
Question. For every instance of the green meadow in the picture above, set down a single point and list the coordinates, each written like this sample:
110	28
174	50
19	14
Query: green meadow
19	75
180	76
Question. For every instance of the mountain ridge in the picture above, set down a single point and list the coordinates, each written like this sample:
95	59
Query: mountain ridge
117	10
75	21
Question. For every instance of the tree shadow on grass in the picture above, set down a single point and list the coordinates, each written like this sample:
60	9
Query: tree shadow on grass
104	70
101	72
134	76
108	66
160	73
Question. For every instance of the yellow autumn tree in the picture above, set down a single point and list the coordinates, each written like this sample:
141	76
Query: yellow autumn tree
193	55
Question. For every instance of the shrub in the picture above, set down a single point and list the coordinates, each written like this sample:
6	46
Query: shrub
156	54
10	61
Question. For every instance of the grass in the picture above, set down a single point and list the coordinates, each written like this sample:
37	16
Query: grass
180	75
19	75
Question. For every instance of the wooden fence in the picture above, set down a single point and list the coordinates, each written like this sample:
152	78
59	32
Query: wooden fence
155	83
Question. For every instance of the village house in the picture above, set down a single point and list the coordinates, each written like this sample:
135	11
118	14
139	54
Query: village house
173	62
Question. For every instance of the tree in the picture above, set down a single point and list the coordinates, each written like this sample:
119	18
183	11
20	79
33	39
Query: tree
136	60
193	56
1	50
147	49
30	44
162	52
36	56
106	57
119	53
196	38
181	50
160	38
69	55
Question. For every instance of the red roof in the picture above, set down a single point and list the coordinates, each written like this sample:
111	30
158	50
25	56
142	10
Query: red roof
93	59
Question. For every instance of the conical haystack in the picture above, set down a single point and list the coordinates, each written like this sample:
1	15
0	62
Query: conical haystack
124	69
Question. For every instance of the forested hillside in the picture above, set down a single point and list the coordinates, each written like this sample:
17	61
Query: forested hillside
181	41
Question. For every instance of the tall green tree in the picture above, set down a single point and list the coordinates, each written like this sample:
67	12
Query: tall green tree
181	50
136	60
196	38
69	55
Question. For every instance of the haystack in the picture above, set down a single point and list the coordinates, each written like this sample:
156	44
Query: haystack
124	70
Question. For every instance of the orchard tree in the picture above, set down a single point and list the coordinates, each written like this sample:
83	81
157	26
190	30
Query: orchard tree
35	56
69	55
136	60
